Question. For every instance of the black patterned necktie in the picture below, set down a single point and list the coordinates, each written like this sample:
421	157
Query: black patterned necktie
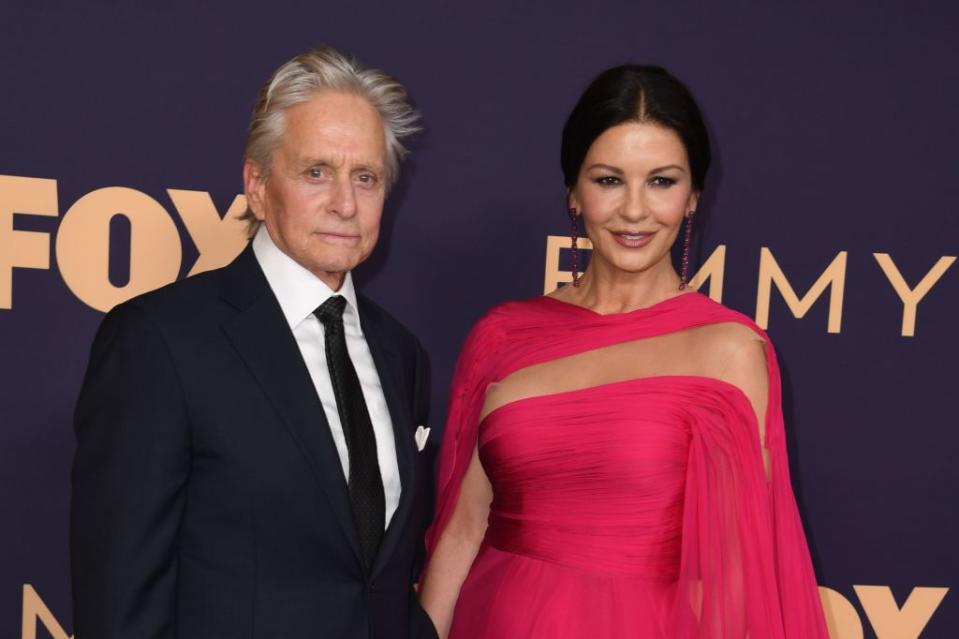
365	482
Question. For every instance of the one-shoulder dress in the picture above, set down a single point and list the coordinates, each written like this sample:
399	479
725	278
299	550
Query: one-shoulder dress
635	508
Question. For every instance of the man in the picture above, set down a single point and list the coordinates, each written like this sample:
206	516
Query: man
248	456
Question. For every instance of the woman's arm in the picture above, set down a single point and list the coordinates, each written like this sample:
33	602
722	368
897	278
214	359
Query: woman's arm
457	547
747	369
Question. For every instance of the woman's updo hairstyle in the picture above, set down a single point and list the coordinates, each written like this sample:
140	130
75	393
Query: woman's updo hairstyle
635	93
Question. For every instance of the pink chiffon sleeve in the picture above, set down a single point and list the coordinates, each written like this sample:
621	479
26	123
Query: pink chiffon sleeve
462	423
745	568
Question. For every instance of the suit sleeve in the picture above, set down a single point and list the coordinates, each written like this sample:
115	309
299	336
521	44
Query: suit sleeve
421	389
129	478
421	414
421	627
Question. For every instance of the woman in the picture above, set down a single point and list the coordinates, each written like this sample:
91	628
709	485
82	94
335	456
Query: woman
614	461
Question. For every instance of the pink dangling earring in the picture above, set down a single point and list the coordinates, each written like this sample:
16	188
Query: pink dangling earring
687	240
575	236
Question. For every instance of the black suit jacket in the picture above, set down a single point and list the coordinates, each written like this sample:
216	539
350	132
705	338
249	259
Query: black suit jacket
208	497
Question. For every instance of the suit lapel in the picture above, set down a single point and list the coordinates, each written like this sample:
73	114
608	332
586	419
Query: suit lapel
389	367
260	334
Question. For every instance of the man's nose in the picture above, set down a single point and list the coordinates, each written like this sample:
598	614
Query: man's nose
343	198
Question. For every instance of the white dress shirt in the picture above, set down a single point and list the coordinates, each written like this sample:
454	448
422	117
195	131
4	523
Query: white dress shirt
299	293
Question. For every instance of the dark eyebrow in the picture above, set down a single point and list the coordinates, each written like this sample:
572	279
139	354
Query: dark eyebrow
608	167
613	169
667	167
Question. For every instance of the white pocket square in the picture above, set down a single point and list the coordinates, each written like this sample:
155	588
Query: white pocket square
422	433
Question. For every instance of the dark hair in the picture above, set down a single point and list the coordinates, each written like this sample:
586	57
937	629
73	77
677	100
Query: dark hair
635	93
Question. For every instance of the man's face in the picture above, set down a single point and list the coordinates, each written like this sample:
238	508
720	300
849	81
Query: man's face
323	198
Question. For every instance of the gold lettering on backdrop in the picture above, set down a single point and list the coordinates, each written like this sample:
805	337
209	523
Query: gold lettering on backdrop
555	276
82	249
834	278
34	609
83	246
888	620
892	622
842	620
83	240
218	240
911	296
712	269
23	249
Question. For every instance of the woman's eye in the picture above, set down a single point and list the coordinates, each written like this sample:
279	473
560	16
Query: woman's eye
660	180
607	180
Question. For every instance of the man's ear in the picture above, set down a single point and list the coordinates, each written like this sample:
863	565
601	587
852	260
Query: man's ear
254	186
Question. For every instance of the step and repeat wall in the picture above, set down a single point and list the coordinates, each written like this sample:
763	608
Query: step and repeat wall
830	217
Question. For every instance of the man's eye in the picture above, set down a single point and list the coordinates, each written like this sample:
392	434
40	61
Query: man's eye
315	173
366	178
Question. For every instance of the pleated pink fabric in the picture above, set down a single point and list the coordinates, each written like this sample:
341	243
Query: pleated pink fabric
638	508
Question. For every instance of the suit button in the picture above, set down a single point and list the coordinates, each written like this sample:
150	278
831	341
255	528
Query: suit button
373	587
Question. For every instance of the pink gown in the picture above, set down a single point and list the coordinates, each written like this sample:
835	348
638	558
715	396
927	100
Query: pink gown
637	508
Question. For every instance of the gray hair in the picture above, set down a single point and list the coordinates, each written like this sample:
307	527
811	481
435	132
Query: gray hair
325	68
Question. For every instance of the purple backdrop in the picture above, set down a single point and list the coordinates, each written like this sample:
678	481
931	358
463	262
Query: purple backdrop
835	131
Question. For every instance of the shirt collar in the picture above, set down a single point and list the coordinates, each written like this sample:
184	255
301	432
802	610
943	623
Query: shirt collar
298	291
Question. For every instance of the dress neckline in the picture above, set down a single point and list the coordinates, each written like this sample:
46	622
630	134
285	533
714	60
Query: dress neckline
658	305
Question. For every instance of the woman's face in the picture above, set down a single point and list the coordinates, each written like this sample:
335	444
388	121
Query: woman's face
634	191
